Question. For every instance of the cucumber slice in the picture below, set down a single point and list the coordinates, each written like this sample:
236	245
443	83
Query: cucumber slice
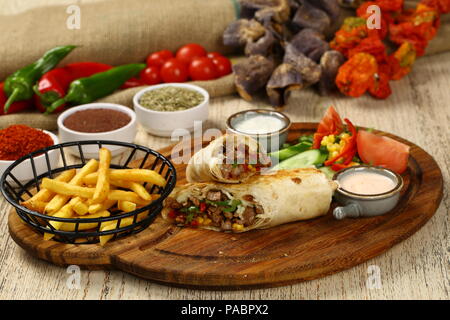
291	151
303	160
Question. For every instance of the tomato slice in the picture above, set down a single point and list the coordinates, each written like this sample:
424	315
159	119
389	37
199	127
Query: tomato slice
331	123
382	151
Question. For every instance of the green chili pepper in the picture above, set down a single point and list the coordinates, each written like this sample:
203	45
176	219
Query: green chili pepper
229	206
190	217
218	203
191	209
233	206
19	85
86	90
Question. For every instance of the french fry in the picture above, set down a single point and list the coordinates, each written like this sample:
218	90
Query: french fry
59	200
65	212
94	208
126	206
102	186
67	189
133	186
127	196
36	205
111	225
80	207
44	195
136	175
67	226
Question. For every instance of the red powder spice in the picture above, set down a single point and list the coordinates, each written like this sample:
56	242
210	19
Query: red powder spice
19	140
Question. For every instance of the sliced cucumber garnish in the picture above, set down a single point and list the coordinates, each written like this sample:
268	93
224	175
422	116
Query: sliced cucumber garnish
291	151
302	160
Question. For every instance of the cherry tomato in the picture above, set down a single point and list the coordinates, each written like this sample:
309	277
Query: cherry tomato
202	69
150	75
158	58
190	51
213	55
174	70
223	66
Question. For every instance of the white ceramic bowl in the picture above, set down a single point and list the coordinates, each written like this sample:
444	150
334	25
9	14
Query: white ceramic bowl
163	123
124	134
24	171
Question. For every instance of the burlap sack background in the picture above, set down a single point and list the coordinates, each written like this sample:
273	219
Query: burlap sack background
119	32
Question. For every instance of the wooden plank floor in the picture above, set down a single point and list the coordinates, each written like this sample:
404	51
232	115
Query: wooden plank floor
419	111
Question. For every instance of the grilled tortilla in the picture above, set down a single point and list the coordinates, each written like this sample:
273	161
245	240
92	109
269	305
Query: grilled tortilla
228	159
263	201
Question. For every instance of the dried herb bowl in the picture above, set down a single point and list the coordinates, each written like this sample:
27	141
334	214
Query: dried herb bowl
166	123
41	222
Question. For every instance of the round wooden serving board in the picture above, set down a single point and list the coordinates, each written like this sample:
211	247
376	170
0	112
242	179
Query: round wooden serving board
262	258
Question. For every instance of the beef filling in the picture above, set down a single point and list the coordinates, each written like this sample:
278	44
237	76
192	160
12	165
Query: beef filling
240	162
215	210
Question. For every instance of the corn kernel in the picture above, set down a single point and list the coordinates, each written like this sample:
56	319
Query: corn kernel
333	154
333	147
324	141
237	227
207	221
344	135
200	220
331	138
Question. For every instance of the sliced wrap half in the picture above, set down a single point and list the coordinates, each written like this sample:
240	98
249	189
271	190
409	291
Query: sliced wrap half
263	201
228	159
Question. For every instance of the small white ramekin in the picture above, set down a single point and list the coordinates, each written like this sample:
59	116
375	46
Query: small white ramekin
163	123
24	171
124	134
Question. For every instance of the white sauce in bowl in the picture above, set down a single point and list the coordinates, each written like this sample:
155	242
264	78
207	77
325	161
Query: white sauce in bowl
259	124
366	183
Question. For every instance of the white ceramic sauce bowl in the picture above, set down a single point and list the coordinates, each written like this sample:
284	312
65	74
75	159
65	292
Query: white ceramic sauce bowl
271	141
366	205
124	134
24	171
163	123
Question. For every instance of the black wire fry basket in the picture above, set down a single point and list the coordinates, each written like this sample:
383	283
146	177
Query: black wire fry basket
16	191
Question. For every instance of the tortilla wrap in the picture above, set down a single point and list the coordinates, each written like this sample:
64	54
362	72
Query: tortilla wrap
206	165
285	196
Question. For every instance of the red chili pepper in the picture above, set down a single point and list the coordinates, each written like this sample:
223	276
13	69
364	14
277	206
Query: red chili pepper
172	214
194	223
15	107
54	84
202	206
132	83
349	149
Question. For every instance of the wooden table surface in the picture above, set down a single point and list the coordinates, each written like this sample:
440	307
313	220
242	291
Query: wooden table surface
418	268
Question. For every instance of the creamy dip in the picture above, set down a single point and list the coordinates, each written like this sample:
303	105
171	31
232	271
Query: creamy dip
259	124
367	183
